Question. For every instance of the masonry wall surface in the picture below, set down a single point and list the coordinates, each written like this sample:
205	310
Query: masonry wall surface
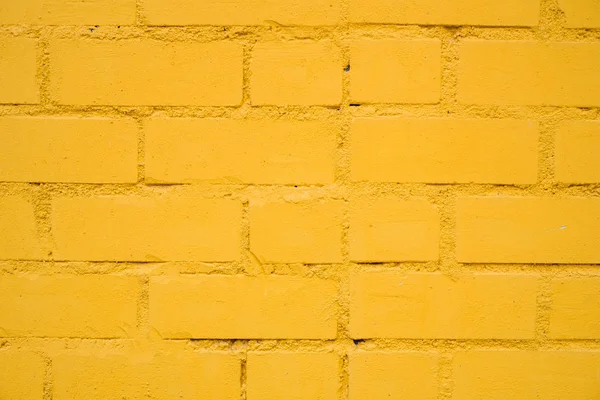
300	199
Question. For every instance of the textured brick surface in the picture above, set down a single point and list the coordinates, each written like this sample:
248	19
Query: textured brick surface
225	151
133	72
243	307
394	305
68	306
299	199
444	150
18	82
155	376
528	229
86	150
436	12
528	72
409	71
514	374
297	376
393	375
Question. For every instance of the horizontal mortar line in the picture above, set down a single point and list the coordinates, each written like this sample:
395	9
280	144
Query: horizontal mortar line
285	113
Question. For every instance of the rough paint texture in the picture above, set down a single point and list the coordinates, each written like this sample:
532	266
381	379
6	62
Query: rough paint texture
300	199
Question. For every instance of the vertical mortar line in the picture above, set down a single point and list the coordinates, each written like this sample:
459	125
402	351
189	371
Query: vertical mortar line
140	18
143	310
445	202
449	61
43	65
551	20
141	150
42	209
247	258
244	371
543	308
445	374
47	381
342	178
546	138
247	48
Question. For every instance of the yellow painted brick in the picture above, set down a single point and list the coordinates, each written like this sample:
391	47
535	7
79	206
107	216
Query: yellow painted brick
89	150
432	305
171	376
527	72
240	151
221	307
395	71
576	153
304	232
22	375
18	82
18	233
61	12
575	311
292	376
444	150
389	229
146	229
581	13
145	72
517	375
296	73
97	306
456	12
393	375
243	12
528	230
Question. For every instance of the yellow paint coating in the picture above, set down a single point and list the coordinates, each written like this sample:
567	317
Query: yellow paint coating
294	376
83	150
338	199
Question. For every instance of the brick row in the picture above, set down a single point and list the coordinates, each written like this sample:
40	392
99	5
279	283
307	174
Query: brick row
270	375
384	149
489	229
580	14
301	72
382	305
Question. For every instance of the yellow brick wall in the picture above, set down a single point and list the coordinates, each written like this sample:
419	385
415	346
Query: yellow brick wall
300	199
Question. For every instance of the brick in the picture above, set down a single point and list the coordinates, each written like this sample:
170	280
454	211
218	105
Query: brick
576	152
293	376
170	376
304	232
515	375
393	375
86	150
232	307
60	12
575	310
395	71
22	375
529	73
389	229
18	82
242	151
18	231
432	305
96	306
581	13
296	73
444	150
436	12
145	72
528	230
121	228
241	12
